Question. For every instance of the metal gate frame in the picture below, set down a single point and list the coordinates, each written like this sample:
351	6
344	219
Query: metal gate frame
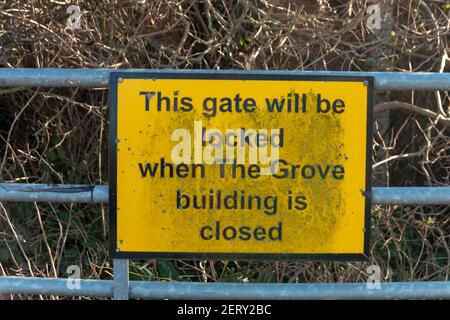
121	288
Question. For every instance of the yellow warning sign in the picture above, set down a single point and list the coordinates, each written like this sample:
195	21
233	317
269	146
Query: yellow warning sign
243	165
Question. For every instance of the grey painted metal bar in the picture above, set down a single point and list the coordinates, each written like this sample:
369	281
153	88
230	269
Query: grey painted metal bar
192	290
179	290
411	195
99	194
28	192
64	77
121	279
51	286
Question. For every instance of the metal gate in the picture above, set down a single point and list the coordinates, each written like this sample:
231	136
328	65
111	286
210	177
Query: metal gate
121	288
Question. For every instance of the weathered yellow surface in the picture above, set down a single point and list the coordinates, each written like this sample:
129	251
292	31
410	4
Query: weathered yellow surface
333	222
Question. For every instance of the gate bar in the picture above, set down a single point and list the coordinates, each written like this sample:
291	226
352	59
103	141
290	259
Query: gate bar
99	78
52	286
121	279
29	192
24	192
196	290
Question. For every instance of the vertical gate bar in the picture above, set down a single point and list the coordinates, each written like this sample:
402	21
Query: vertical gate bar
121	279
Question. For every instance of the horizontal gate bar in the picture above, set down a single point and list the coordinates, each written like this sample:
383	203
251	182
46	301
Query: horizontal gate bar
279	291
52	286
28	192
198	290
99	78
99	194
411	195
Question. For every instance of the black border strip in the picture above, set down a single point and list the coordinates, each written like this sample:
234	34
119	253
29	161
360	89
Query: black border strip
112	169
